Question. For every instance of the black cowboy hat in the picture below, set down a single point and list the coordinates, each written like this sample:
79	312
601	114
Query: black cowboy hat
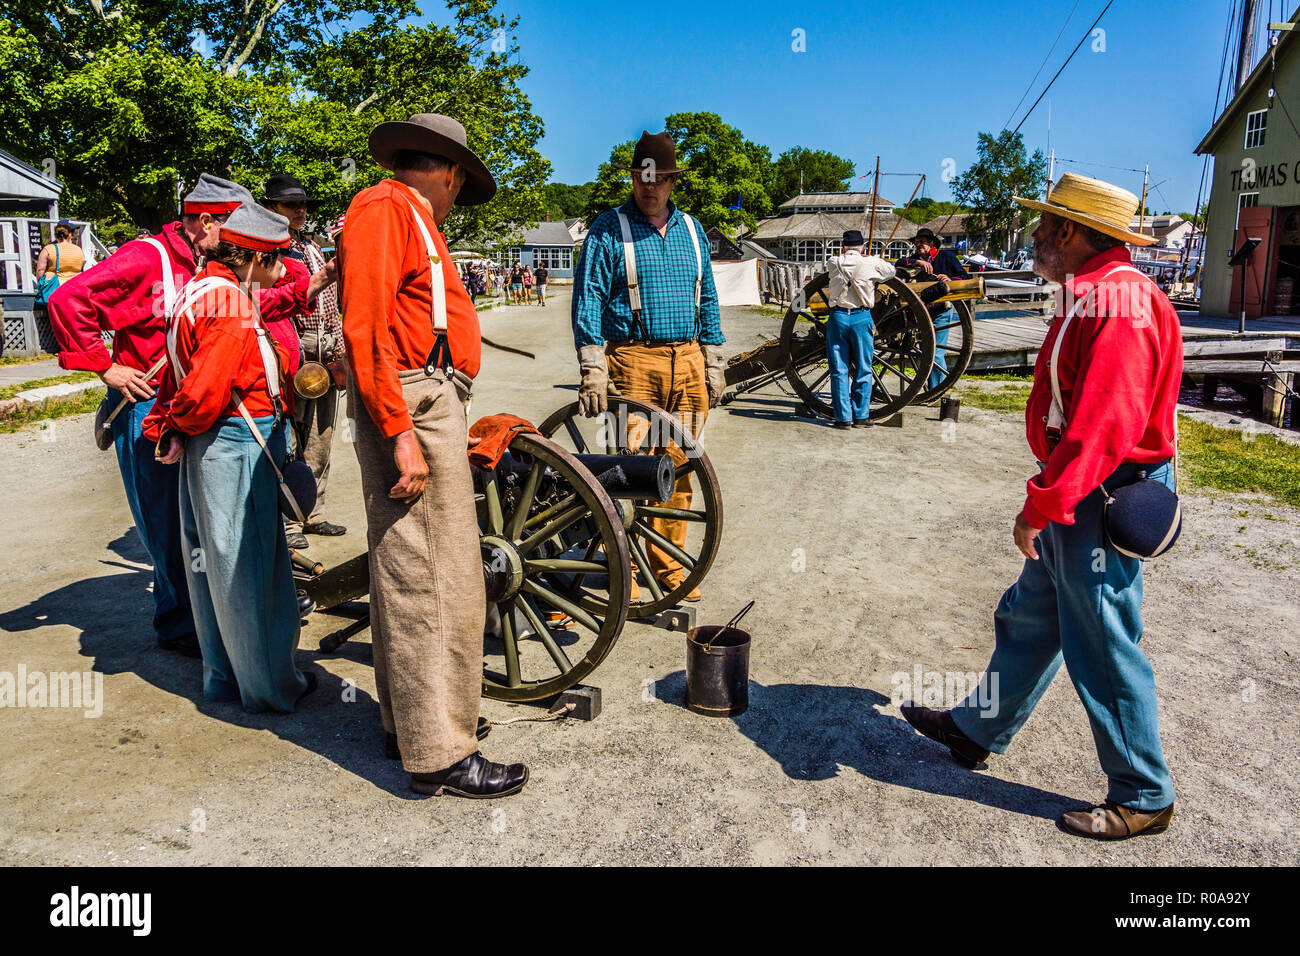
436	135
926	234
660	150
283	187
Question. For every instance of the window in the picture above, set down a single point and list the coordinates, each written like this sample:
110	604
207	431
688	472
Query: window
1245	201
897	249
1256	125
877	247
809	250
513	257
553	257
833	247
713	246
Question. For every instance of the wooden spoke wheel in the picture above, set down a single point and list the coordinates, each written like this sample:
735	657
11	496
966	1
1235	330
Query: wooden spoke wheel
904	348
639	428
959	325
555	563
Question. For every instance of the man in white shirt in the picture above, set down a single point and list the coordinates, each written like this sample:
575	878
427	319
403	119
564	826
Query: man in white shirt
851	331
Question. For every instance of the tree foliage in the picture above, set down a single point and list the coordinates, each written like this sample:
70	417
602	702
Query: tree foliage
1001	171
130	96
816	170
925	209
567	202
732	181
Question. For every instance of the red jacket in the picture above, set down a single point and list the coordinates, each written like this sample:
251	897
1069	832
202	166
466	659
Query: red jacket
384	295
1120	367
124	294
220	351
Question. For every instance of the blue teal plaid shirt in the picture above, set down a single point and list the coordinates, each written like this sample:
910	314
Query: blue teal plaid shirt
665	268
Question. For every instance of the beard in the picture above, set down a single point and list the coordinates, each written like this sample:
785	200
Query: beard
1049	260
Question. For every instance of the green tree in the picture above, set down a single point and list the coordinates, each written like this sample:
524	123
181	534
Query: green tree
822	172
925	210
129	100
567	202
726	171
1002	171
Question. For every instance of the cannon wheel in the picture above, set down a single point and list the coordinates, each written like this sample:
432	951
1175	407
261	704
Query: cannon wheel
959	322
553	546
904	351
607	434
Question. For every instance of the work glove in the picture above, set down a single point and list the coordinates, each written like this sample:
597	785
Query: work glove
715	372
596	387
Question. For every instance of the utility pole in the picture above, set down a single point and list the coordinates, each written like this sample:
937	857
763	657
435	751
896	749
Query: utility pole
1246	48
1142	211
875	198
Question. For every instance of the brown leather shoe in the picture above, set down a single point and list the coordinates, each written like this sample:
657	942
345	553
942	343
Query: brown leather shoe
1110	821
673	580
939	726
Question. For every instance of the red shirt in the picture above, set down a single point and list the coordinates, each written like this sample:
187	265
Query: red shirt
1120	366
220	350
124	294
385	297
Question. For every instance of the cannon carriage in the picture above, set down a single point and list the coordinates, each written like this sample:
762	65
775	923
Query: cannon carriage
566	518
921	348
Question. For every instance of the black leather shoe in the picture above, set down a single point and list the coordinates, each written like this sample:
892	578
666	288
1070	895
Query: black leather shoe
325	528
475	777
187	645
305	604
296	541
862	423
392	752
843	424
939	726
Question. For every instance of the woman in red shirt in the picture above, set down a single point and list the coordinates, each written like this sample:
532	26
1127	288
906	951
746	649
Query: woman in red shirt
225	379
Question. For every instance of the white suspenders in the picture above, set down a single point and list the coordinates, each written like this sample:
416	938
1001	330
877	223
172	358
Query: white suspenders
437	281
168	280
633	287
1056	414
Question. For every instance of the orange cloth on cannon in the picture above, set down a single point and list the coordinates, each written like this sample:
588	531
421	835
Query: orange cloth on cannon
491	435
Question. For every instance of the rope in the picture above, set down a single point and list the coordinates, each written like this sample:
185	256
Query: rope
554	715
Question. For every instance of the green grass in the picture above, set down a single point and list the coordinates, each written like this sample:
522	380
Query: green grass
72	378
25	359
1001	376
78	404
1011	399
1224	460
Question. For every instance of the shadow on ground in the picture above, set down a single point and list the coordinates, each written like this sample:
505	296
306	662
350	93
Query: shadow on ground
339	721
812	730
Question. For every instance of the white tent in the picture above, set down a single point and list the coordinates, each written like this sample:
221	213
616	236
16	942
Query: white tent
737	282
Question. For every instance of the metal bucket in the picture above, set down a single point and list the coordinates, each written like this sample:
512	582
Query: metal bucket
949	409
717	671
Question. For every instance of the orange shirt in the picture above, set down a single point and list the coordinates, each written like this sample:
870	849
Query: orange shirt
220	350
385	297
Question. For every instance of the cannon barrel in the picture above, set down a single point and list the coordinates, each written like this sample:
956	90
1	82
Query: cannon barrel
632	476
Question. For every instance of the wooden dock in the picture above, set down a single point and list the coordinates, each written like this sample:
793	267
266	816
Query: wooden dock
1262	363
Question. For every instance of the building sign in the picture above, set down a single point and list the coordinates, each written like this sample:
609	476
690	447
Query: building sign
1253	176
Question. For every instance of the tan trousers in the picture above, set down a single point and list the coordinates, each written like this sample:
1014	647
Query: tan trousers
672	377
314	432
427	601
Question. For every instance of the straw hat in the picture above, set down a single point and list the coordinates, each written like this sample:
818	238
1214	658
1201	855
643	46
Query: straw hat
1094	203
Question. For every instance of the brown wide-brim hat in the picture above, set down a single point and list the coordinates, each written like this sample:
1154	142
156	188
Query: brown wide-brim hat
660	149
437	135
1093	202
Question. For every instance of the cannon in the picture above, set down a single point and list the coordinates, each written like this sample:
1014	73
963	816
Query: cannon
566	519
919	355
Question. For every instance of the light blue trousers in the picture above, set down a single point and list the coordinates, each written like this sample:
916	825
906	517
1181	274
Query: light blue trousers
850	348
152	490
240	580
943	326
1080	603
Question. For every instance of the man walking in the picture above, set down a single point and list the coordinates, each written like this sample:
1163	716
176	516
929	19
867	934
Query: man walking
413	349
646	322
850	329
539	279
1078	599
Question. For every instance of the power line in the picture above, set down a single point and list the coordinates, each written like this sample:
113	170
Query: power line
1082	39
1041	65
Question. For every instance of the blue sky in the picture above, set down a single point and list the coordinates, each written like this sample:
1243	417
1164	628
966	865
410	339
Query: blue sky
912	82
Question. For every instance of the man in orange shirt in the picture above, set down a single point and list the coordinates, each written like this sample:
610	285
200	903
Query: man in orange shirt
413	348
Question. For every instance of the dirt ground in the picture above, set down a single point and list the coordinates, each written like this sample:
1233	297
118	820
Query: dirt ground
869	553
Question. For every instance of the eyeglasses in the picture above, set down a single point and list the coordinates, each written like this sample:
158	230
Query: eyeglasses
668	179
